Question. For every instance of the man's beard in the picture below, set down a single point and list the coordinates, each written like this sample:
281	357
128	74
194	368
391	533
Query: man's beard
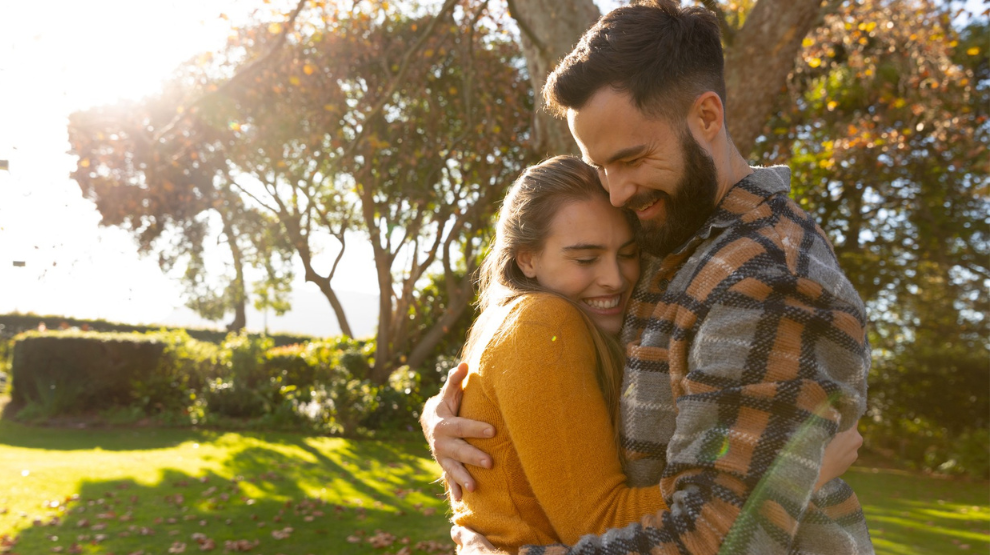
687	210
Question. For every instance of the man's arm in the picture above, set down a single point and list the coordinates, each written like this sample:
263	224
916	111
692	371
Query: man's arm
445	433
774	371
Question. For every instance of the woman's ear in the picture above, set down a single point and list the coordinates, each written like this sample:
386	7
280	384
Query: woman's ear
527	263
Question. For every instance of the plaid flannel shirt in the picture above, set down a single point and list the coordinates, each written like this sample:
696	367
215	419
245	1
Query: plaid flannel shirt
746	353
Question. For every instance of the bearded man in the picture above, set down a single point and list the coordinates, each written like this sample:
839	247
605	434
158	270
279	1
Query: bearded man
746	344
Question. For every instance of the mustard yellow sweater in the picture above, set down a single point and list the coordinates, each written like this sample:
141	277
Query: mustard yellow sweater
556	473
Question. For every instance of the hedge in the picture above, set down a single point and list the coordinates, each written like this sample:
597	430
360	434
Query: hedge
13	324
319	386
78	371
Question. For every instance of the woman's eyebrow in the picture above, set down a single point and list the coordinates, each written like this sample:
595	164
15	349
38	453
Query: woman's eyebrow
584	247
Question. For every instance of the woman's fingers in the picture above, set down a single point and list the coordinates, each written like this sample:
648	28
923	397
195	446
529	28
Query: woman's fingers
840	454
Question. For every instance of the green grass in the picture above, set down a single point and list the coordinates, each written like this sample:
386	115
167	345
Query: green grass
146	489
913	514
328	490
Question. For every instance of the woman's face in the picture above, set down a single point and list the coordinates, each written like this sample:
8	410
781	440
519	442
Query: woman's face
591	257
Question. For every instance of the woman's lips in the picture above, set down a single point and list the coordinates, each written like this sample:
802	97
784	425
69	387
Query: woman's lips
610	304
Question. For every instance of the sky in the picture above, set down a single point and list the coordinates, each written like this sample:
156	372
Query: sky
60	56
95	53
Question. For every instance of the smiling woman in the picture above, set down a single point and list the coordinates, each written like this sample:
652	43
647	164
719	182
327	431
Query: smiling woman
545	367
590	257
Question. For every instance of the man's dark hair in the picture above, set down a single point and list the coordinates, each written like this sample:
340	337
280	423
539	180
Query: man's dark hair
663	55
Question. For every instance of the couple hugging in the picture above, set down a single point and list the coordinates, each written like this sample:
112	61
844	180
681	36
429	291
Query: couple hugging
668	357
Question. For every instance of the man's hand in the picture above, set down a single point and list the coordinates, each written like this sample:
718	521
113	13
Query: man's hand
445	431
840	453
470	542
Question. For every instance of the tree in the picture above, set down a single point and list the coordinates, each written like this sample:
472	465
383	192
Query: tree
885	126
167	196
761	41
397	123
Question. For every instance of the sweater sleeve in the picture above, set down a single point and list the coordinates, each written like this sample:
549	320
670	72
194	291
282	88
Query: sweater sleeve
545	385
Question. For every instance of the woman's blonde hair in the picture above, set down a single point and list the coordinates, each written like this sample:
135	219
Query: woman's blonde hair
524	225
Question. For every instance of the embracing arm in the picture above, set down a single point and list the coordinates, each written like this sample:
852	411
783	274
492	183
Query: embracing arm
547	391
445	433
773	372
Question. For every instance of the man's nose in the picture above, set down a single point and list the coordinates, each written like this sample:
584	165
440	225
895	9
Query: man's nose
620	188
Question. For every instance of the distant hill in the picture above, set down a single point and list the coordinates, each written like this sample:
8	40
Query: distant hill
311	314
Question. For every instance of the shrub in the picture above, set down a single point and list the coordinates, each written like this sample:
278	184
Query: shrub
399	401
291	364
185	367
68	372
244	388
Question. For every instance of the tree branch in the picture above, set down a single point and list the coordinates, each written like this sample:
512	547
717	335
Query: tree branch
250	68
448	5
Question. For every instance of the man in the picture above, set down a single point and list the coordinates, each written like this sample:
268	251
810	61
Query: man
746	345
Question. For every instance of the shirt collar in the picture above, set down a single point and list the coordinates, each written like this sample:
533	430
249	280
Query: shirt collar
743	197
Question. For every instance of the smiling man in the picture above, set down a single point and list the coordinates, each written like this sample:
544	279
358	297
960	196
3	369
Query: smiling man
746	345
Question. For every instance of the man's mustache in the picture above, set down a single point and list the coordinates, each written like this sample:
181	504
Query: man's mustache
645	198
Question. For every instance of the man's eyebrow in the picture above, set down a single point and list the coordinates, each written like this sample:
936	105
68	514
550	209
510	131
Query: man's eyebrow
626	153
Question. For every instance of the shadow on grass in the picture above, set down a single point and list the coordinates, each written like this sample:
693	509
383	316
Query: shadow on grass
291	494
909	513
132	438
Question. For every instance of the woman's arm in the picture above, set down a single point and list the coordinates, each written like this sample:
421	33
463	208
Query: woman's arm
544	382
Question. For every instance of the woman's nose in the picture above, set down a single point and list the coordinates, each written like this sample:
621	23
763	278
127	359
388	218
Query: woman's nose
610	275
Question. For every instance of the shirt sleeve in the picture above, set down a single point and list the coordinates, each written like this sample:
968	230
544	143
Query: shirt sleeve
546	387
776	366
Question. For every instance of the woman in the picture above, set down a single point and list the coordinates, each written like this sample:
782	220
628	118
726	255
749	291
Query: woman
545	367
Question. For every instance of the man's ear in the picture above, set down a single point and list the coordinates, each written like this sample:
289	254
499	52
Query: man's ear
707	116
527	263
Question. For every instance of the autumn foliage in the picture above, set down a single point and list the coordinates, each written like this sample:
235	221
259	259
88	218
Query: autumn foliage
404	123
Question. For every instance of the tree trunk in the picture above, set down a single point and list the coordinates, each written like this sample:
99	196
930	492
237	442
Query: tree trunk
759	60
239	296
431	338
331	295
548	31
301	244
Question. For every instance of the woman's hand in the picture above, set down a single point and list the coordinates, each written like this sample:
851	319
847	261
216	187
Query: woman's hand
840	454
445	433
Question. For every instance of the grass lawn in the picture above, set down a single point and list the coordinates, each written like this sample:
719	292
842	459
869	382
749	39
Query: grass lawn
155	491
914	514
